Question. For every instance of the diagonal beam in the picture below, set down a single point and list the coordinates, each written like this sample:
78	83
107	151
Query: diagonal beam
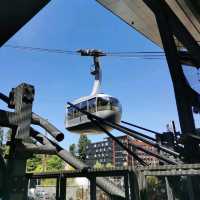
6	119
50	128
36	149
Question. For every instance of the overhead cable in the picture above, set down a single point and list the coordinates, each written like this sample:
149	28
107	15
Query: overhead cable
133	54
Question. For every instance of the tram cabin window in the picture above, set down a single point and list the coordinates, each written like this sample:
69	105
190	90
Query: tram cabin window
77	112
114	103
92	105
83	106
103	104
70	113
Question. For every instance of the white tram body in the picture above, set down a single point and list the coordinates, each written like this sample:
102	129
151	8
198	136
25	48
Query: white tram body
101	105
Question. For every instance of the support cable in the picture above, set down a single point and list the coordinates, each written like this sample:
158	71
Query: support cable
96	122
160	157
4	98
136	132
142	128
134	54
135	146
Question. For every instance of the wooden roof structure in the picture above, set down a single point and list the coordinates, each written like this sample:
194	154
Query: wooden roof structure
138	15
14	14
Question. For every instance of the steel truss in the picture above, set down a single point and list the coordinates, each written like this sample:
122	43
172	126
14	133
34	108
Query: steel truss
15	183
135	178
172	29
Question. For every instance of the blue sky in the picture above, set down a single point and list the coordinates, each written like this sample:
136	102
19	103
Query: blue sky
144	87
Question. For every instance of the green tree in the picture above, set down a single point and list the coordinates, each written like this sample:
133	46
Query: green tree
109	165
98	165
34	164
73	149
54	163
5	136
83	142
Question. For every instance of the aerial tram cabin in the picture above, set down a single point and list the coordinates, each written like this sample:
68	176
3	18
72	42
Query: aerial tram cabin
102	105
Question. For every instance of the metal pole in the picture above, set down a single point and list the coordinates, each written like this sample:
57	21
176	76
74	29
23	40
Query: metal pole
17	183
58	188
92	188
126	186
62	188
2	176
169	190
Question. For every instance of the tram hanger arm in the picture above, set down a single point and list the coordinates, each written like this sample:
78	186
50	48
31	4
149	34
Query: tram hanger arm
127	131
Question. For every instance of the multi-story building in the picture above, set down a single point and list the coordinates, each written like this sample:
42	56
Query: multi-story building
108	151
99	151
150	160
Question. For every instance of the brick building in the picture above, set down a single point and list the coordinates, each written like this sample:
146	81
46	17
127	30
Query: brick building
150	160
108	151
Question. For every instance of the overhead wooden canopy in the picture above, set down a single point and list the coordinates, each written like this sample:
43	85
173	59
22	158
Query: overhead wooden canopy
138	15
15	13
